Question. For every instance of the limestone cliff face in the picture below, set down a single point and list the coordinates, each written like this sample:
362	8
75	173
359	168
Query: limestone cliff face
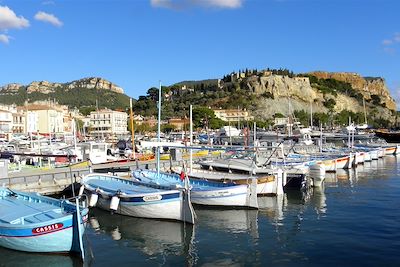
95	83
283	86
366	86
46	87
11	87
281	91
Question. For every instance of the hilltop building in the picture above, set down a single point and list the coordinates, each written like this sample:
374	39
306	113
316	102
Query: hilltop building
233	115
179	124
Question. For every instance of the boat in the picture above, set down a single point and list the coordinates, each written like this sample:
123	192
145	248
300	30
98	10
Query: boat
31	222
267	184
205	192
131	198
389	136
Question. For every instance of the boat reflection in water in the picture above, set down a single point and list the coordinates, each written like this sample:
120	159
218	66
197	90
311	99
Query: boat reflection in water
277	208
151	237
235	221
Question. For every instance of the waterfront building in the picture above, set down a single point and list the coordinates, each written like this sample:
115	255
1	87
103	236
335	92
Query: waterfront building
19	121
12	120
5	123
44	117
108	123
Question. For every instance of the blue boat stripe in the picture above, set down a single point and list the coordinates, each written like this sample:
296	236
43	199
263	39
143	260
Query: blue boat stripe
140	199
151	202
20	235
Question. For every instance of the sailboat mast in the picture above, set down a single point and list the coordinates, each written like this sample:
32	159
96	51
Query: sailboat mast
132	129
159	131
191	138
365	113
311	118
74	136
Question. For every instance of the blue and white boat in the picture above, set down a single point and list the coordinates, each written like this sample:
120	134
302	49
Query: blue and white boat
204	192
127	197
34	223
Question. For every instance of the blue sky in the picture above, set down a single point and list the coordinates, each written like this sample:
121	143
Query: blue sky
137	43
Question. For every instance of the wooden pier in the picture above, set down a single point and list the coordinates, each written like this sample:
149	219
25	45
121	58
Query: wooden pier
54	181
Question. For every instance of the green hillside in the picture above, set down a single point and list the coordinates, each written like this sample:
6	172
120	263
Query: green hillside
81	98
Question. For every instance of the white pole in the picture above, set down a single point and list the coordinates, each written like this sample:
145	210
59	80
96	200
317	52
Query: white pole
349	132
311	122
191	139
320	138
132	129
159	132
365	113
74	133
255	134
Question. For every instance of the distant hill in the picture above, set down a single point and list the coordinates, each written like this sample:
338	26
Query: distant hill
267	93
81	93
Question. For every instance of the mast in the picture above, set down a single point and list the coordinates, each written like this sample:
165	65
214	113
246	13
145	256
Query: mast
191	138
159	131
132	129
365	113
311	118
74	133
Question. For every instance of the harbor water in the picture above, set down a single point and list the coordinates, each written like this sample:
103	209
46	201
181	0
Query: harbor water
353	220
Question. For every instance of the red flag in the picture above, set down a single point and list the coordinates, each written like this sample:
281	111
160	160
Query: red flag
182	175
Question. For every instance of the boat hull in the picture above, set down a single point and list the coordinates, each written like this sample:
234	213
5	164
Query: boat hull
34	223
23	239
138	200
236	197
169	209
205	192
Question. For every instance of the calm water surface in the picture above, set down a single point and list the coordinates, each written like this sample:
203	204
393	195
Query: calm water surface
353	221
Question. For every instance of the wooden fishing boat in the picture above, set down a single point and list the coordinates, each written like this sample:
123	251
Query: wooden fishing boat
266	183
135	199
205	192
34	223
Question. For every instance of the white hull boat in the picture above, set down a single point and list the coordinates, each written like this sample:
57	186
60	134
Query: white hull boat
205	192
135	199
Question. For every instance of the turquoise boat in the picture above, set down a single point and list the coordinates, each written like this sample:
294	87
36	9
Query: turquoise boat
34	223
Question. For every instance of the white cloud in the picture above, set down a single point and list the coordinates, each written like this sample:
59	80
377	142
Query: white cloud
395	39
220	3
4	38
48	3
9	20
178	4
387	42
390	45
50	18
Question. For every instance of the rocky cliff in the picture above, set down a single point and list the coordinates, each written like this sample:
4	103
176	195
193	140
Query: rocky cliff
366	86
278	92
10	88
46	87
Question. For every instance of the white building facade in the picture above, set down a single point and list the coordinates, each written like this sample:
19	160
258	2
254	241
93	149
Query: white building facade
108	123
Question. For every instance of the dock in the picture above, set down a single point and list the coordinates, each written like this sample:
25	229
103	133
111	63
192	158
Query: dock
54	181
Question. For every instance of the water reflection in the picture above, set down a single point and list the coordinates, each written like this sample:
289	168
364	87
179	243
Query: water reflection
17	258
151	237
233	220
275	208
